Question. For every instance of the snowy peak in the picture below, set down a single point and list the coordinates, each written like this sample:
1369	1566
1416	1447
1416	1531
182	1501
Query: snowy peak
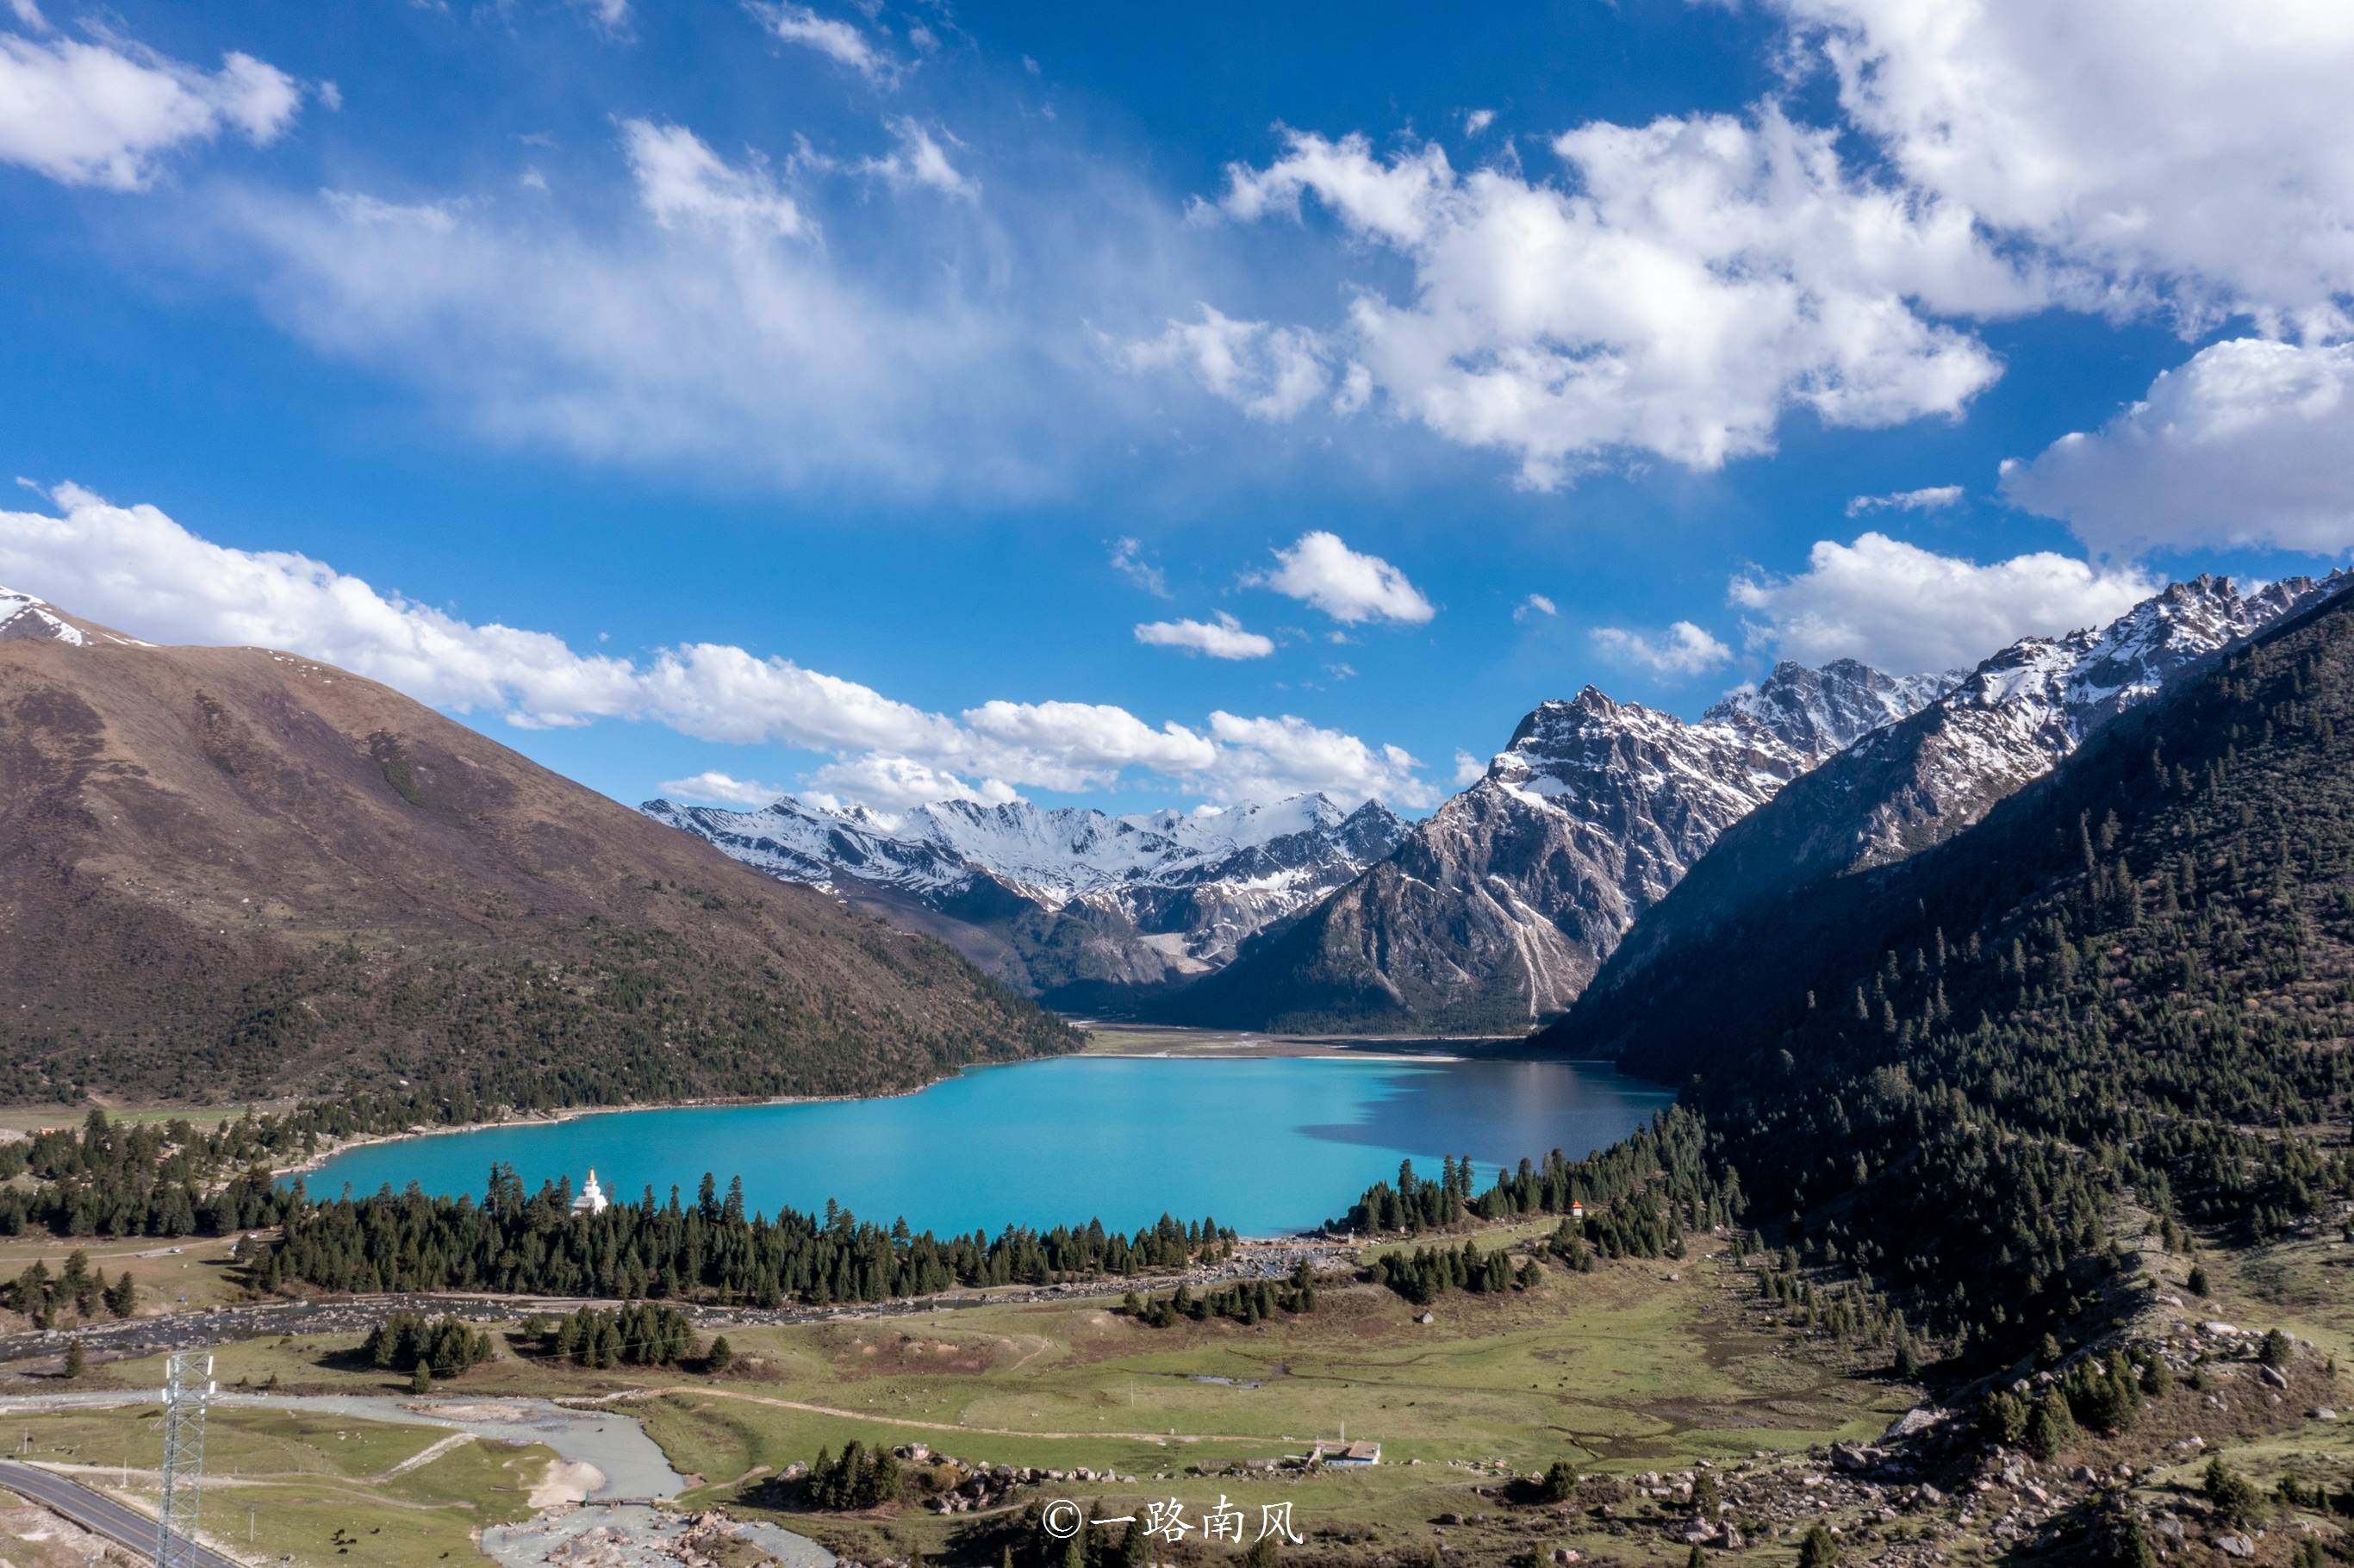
1916	783
1818	712
2067	686
1497	910
1742	749
23	615
1186	887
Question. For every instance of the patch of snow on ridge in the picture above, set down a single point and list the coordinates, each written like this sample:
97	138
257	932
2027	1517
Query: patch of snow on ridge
22	615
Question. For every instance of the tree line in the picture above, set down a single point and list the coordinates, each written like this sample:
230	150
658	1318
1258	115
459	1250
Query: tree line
707	1249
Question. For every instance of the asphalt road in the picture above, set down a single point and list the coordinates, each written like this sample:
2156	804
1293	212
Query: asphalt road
94	1511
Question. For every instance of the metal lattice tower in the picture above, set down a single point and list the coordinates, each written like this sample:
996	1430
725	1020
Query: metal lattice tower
187	1391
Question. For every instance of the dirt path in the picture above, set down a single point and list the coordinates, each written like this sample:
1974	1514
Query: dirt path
1160	1439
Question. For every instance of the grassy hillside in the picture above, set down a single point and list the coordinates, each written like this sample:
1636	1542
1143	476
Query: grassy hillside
230	874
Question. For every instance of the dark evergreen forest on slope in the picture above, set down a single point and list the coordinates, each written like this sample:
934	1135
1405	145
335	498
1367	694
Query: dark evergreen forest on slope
2137	975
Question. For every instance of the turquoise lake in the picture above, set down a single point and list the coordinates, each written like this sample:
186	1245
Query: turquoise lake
1265	1146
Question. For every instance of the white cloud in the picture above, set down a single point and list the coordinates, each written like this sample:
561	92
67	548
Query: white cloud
838	41
1477	120
1907	610
105	113
723	787
2251	443
1080	745
714	331
1266	759
1935	498
889	783
684	184
1221	639
1682	650
1270	372
1469	769
1350	587
136	569
29	16
1128	561
1536	604
2183	149
612	15
920	160
1689	282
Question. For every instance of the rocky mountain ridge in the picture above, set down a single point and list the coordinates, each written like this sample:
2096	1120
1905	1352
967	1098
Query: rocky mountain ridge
1919	782
1496	911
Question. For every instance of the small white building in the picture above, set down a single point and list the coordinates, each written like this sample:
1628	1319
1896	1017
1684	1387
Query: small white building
592	1198
1346	1453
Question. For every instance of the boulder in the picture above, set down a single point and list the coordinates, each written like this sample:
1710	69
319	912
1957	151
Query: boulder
1914	1422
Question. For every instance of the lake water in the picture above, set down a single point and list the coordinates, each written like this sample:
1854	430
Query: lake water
1265	1146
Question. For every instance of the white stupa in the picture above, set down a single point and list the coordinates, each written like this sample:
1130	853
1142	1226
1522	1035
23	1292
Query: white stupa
592	1198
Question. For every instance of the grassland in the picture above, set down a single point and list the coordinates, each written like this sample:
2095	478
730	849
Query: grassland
1639	1365
321	1489
164	1269
1636	1366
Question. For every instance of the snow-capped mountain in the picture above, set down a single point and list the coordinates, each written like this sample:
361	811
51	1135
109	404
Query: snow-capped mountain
1066	896
1498	909
22	615
2000	727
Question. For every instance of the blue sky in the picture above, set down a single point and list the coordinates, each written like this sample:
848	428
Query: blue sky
825	397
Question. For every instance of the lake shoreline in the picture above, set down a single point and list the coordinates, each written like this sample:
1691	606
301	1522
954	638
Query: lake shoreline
1206	1045
1273	1142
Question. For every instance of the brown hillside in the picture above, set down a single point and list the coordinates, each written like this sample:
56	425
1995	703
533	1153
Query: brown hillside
228	873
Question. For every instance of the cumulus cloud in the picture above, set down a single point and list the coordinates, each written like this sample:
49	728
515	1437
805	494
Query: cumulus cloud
837	40
1536	604
2183	150
1684	648
2251	443
1270	372
1080	745
1935	498
1477	120
1350	586
723	787
1687	283
898	783
1222	637
1267	759
1469	769
136	567
105	113
1906	609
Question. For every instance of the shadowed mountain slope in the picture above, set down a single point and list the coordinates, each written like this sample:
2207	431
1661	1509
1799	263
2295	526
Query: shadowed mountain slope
230	873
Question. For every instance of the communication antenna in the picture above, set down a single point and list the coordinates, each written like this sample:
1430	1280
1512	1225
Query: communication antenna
187	1391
